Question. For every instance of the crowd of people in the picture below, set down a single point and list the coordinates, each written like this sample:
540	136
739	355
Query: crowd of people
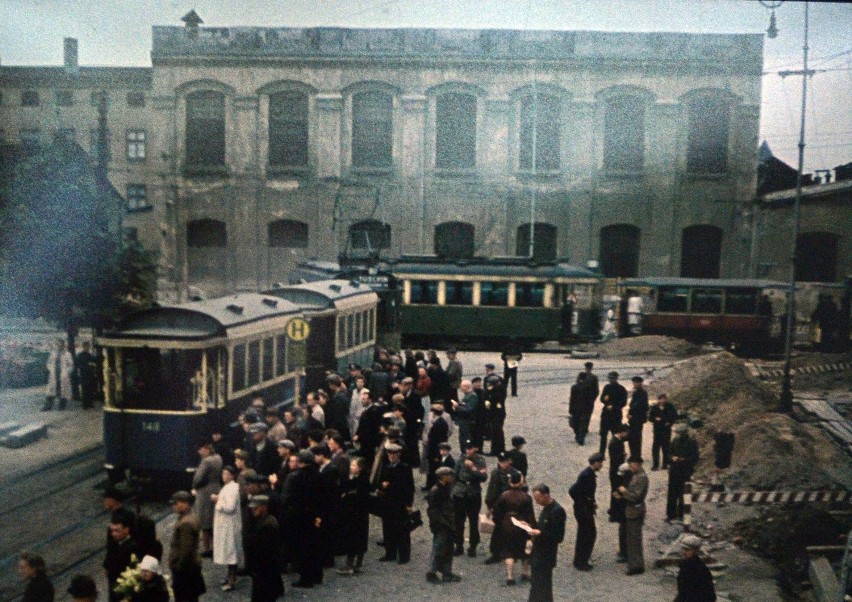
292	489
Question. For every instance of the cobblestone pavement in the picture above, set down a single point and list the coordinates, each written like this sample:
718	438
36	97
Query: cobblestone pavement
539	413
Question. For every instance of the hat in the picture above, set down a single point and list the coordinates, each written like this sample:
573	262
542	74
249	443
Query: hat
690	542
596	457
452	350
469	444
393	448
623	469
613	374
287	443
589	365
149	563
443	471
680	428
113	492
251	416
259	500
408	380
83	586
258	427
489	366
637	379
445	445
231	469
306	457
515	477
353	367
518	440
181	496
634	460
503	457
320	450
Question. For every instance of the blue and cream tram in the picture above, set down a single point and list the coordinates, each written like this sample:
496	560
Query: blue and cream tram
172	373
343	319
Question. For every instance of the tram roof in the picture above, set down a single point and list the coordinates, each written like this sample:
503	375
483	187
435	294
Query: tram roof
482	266
202	319
704	282
323	294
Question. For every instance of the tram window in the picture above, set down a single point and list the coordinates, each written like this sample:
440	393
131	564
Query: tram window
424	291
292	359
162	379
706	301
341	333
254	363
741	301
672	300
281	354
529	295
365	326
268	346
350	331
459	293
239	367
357	329
494	294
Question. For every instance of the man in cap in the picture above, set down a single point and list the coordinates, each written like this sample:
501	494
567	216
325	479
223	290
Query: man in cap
613	399
637	415
495	409
684	457
583	494
329	500
547	535
262	454
277	430
414	415
337	407
206	481
581	404
694	580
442	523
301	508
439	432
498	482
470	472
454	371
662	417
184	561
285	449
617	457
263	553
634	515
396	487
518	456
83	589
466	410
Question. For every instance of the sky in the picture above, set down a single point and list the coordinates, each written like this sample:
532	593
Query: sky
118	32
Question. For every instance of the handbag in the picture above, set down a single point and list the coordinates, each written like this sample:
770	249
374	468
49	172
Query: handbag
413	520
486	524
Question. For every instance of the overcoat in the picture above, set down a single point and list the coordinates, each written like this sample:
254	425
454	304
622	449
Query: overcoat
206	482
228	526
66	367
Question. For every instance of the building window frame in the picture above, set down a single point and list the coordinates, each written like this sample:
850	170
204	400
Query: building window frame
288	130
205	134
708	135
30	98
135	99
548	133
137	198
456	125
136	144
64	98
372	130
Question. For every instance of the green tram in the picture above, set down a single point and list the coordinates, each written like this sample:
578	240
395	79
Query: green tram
493	300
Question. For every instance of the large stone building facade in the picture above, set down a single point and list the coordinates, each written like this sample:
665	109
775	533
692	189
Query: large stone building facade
265	146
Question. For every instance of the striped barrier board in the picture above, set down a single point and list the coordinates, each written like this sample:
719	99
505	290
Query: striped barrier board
816	369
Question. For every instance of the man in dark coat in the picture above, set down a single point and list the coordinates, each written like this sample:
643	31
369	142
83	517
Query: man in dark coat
438	433
39	588
694	580
495	408
262	553
470	472
301	497
396	487
337	408
369	434
86	368
684	457
637	415
581	405
613	398
498	482
617	457
440	381
547	536
583	494
662	417
442	524
413	415
379	383
123	547
329	501
263	454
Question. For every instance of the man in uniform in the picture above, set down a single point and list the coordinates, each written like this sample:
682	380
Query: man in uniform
439	432
495	408
662	416
617	457
184	561
637	414
547	536
684	457
694	580
414	415
396	486
634	513
442	524
263	553
470	472
465	410
613	398
583	494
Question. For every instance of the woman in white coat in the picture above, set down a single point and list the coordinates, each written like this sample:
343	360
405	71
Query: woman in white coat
228	527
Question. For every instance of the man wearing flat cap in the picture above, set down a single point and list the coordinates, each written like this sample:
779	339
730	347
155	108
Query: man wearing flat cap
442	523
694	580
184	560
634	515
439	432
263	553
637	415
262	453
583	494
613	399
684	457
471	472
396	488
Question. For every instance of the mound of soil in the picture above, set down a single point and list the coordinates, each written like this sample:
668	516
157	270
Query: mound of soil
653	345
772	450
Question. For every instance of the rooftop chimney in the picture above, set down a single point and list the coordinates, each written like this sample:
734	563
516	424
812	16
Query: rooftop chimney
71	61
192	21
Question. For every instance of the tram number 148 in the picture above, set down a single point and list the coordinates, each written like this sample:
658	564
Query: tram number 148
151	427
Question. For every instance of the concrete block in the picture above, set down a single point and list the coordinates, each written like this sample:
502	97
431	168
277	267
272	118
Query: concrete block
826	585
8	427
25	435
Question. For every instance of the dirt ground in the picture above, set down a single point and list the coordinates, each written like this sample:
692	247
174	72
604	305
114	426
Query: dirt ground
653	345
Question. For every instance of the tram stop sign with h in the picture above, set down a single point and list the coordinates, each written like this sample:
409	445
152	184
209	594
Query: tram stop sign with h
297	332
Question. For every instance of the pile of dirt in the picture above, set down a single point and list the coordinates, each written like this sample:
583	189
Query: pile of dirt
772	450
649	345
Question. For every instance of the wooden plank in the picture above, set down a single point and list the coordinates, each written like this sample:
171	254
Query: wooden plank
822	577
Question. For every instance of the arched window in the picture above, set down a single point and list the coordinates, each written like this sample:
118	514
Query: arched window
455	131
205	128
454	240
544	242
624	133
540	121
709	122
206	233
288	129
700	252
816	256
370	234
372	130
619	251
288	234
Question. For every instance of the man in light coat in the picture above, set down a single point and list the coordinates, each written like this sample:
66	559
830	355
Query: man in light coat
634	513
206	482
60	366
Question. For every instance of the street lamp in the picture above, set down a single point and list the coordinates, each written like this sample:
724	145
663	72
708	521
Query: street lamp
786	399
